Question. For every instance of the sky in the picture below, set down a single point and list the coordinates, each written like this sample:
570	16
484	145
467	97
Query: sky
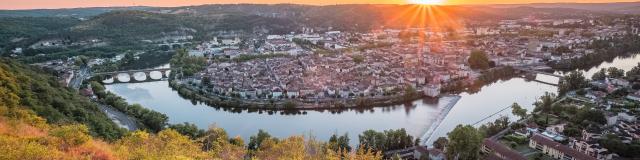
51	4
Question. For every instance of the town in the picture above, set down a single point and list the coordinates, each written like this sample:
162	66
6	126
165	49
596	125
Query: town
316	68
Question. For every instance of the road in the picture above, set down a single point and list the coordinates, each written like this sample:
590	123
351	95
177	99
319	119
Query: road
119	118
80	76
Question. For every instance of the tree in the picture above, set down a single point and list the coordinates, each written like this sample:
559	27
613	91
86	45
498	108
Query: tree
372	140
128	58
600	75
206	81
357	58
517	110
615	72
562	49
575	80
440	143
72	135
290	148
256	140
591	115
545	102
478	60
493	128
167	144
464	143
615	144
634	73
82	60
212	137
384	141
339	143
572	132
187	129
409	93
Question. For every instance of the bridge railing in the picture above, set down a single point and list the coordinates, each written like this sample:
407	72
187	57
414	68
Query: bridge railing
132	71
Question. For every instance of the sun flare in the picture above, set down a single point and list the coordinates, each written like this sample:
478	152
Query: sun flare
427	2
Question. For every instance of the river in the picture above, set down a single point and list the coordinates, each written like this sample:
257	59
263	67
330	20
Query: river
416	119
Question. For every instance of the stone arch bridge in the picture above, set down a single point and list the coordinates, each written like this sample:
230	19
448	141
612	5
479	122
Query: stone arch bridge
131	74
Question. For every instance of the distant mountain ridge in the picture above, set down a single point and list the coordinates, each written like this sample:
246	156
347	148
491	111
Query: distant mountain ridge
70	12
615	7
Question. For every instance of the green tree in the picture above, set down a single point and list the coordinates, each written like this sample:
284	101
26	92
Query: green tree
634	73
545	102
572	132
187	129
440	143
615	72
464	143
517	110
478	60
493	128
575	80
256	140
384	141
409	93
600	75
339	143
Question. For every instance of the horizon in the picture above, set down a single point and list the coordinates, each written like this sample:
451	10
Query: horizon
73	4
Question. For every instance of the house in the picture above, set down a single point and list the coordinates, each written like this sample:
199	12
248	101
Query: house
612	119
633	97
593	149
307	92
434	154
497	150
251	94
555	149
276	93
624	116
595	95
293	93
620	82
559	128
431	90
231	42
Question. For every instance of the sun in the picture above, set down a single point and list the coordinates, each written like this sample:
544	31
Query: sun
427	2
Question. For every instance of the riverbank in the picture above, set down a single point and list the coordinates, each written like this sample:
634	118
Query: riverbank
416	117
289	105
118	117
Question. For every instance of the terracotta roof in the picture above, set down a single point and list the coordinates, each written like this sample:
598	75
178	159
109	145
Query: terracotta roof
503	150
560	147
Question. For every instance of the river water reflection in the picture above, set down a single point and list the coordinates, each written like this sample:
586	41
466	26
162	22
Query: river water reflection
159	97
416	119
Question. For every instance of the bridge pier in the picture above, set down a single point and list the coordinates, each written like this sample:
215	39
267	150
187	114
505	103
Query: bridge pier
115	78
165	74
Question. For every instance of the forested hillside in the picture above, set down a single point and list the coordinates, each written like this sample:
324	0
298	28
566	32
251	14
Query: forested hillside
26	30
35	90
131	26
